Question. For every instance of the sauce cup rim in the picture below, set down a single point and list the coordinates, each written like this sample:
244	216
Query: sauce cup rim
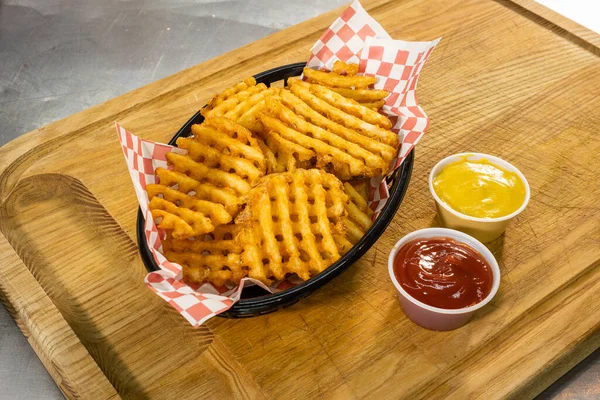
502	163
462	238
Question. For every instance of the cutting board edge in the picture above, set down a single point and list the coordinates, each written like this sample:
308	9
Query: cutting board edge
573	31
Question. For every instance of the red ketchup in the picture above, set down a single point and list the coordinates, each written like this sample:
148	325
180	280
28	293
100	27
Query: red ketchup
443	273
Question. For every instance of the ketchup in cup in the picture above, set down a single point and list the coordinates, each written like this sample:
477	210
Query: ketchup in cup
442	276
443	273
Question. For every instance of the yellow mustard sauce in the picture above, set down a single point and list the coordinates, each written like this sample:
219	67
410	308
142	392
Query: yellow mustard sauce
479	188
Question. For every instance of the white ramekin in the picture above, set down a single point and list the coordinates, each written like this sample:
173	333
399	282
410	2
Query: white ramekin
484	229
434	318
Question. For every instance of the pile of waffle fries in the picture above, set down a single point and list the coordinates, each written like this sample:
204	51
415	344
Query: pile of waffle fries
274	182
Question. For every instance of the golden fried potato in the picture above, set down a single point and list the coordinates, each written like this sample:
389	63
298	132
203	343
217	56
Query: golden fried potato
215	258
231	97
289	222
241	103
245	112
334	113
202	191
362	95
359	218
284	155
327	155
226	197
374	105
317	115
182	221
302	127
340	81
342	68
360	186
221	153
183	214
347	105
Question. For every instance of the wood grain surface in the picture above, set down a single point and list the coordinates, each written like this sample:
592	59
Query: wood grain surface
503	81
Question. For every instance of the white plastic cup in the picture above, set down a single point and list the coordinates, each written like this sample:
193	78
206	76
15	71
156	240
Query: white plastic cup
484	229
434	318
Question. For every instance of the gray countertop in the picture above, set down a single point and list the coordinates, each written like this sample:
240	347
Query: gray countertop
58	57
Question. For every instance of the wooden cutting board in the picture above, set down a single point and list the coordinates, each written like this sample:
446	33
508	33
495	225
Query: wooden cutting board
504	81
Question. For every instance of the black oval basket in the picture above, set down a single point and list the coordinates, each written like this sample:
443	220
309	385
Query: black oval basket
255	300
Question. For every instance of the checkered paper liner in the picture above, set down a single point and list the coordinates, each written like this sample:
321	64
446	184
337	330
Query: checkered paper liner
354	37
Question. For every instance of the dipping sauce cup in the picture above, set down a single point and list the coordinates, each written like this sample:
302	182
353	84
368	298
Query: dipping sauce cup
435	318
484	229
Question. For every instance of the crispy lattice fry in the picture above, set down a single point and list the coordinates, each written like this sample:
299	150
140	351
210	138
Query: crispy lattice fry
375	105
359	214
183	222
222	153
186	216
342	68
300	89
289	222
362	187
231	97
231	103
215	258
333	153
309	139
283	155
362	95
347	105
223	160
241	103
339	80
224	196
229	92
251	103
315	116
343	244
250	119
332	79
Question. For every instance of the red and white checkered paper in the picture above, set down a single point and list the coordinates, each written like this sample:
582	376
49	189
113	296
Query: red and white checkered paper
354	37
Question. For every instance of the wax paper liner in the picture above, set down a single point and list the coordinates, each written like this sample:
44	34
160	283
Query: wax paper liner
354	37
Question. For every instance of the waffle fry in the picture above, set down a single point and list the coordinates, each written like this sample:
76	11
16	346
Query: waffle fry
362	95
351	108
374	132
342	68
308	137
375	105
226	197
333	79
299	218
361	186
222	154
250	119
186	216
341	79
314	115
241	103
282	155
246	112
359	214
231	97
216	258
202	191
289	222
358	221
297	126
